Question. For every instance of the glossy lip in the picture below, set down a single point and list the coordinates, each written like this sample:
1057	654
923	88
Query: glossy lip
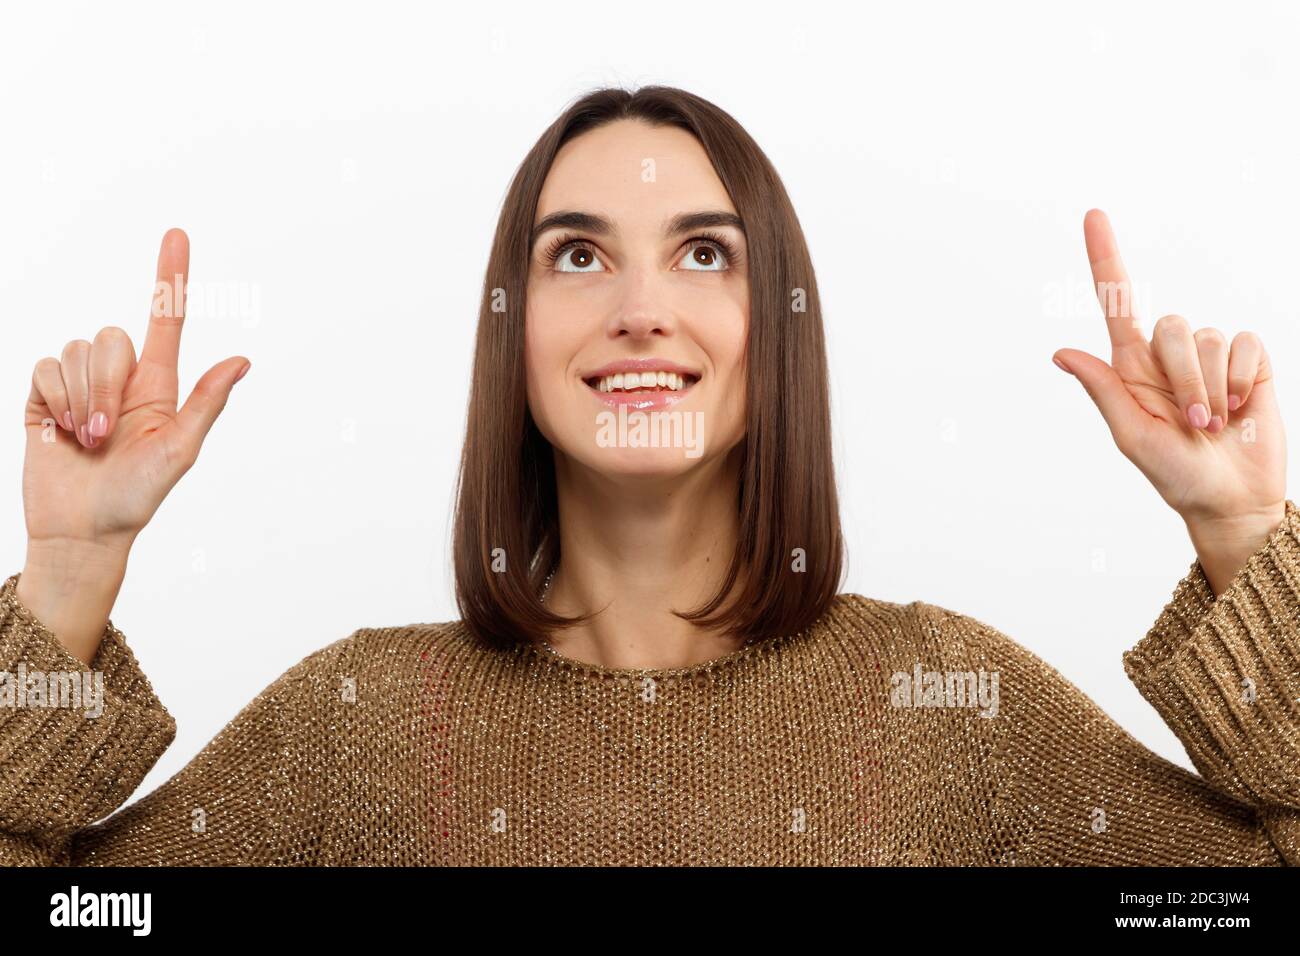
640	400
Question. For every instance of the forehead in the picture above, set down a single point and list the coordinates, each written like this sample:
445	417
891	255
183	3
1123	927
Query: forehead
608	171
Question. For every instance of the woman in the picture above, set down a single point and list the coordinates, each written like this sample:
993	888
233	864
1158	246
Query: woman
654	664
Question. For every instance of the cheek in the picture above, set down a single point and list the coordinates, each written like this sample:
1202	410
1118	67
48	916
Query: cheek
536	342
725	336
549	345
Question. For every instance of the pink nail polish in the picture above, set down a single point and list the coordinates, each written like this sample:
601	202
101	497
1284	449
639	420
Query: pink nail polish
1198	415
98	425
1234	402
243	371
1216	425
67	420
83	435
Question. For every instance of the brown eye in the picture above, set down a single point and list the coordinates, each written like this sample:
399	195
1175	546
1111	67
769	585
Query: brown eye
705	256
578	259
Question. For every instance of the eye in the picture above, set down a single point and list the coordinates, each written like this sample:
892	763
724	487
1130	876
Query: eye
575	257
706	255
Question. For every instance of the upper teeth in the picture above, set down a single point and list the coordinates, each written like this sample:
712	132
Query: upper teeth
630	380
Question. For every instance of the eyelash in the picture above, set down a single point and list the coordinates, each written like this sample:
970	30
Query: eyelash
563	243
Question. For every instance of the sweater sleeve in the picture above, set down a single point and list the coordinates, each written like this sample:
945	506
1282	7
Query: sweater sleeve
1071	787
254	795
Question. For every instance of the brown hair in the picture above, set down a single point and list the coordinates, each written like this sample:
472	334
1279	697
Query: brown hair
506	497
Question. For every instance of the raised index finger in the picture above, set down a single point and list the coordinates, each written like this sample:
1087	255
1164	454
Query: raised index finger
1114	291
167	311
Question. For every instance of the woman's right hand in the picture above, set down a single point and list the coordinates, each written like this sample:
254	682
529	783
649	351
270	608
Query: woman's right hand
105	444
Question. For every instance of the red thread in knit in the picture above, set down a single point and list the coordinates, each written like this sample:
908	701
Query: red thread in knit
864	767
435	712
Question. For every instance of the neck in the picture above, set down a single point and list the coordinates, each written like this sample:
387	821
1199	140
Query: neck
633	555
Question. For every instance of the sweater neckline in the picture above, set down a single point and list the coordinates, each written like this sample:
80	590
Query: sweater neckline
725	662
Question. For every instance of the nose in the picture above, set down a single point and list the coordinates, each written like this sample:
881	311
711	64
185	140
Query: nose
642	309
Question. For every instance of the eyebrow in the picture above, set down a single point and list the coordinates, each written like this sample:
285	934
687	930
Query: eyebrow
601	226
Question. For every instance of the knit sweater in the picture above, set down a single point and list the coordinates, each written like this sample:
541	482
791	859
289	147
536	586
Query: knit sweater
886	733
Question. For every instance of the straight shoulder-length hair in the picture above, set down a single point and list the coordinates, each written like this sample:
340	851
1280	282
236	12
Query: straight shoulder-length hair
789	553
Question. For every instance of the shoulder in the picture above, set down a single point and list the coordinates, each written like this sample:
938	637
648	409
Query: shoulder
1034	691
933	680
921	632
902	638
914	627
373	655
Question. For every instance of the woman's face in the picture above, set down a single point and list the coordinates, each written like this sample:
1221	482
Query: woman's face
636	316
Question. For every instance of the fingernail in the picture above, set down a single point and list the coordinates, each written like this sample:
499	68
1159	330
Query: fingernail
67	420
1234	402
1198	415
1061	365
243	371
1216	424
84	435
98	425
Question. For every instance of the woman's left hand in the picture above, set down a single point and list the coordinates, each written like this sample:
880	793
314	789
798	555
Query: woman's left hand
1196	415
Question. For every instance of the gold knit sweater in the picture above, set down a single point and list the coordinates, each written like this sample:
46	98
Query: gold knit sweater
418	745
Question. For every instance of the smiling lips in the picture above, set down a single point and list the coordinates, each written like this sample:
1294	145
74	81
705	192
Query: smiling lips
641	383
635	381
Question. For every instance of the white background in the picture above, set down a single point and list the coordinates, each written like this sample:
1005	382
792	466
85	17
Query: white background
343	167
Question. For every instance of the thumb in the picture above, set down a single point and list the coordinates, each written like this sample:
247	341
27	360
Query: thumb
208	399
1117	406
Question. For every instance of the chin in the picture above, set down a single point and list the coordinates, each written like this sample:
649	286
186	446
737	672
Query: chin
648	463
633	463
656	445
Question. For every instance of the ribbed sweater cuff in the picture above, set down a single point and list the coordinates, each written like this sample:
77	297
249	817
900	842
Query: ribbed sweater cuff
60	768
1225	673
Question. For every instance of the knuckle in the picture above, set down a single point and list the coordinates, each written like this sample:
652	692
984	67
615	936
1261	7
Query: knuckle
76	349
181	455
46	367
1208	339
111	335
1172	325
1247	339
1128	441
103	393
